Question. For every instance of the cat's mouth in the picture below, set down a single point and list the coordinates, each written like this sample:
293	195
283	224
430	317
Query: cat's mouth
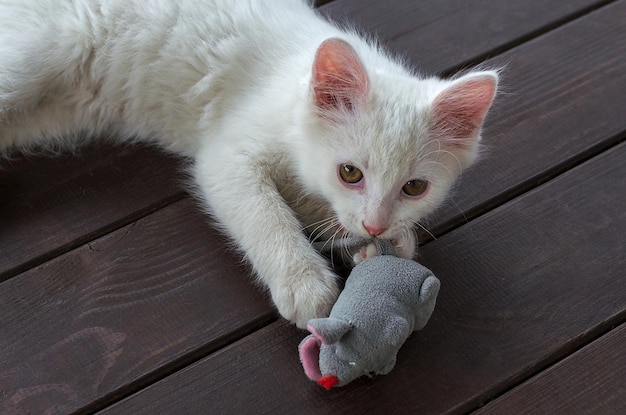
333	230
388	236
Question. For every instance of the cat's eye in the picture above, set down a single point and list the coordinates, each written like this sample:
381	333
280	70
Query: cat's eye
415	187
350	174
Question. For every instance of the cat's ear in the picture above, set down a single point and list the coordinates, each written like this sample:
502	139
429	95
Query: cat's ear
339	80
460	109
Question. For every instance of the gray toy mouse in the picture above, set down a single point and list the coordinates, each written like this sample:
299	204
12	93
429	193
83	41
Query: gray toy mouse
385	299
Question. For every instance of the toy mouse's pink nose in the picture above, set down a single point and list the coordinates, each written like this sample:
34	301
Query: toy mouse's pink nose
374	230
328	381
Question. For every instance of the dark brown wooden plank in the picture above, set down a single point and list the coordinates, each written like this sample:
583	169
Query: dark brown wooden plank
437	36
51	204
151	296
591	381
563	102
522	287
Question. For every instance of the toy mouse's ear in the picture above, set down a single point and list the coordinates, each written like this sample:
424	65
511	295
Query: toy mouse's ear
309	351
328	330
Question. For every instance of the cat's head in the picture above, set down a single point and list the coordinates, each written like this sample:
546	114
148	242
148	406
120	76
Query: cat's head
384	147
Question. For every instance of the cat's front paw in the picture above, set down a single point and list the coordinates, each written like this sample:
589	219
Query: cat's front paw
310	295
406	246
364	253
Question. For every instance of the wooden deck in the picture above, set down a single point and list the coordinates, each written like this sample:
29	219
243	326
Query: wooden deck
117	297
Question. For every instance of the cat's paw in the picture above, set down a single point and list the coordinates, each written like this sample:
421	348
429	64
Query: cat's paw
365	252
406	247
311	295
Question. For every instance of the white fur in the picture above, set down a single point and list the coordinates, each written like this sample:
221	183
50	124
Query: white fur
228	83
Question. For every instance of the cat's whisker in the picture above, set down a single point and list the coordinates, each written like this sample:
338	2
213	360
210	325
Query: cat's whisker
340	233
304	228
456	205
332	247
424	155
303	194
425	229
438	163
330	240
324	225
346	250
322	228
332	224
454	156
440	150
345	254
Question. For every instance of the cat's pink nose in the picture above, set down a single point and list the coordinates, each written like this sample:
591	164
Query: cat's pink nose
373	230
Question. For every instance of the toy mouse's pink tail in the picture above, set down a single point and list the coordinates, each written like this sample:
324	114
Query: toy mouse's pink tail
328	381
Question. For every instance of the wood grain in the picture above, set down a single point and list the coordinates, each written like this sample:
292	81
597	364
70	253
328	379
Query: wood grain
151	296
49	205
563	102
588	372
522	287
437	36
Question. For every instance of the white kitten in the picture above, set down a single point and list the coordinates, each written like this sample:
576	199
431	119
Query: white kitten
295	126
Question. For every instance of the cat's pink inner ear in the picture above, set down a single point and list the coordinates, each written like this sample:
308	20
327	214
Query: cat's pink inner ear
459	110
339	80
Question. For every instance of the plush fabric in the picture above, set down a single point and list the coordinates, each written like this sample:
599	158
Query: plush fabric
385	299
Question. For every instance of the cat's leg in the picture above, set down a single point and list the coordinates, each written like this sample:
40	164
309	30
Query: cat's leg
406	245
242	196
